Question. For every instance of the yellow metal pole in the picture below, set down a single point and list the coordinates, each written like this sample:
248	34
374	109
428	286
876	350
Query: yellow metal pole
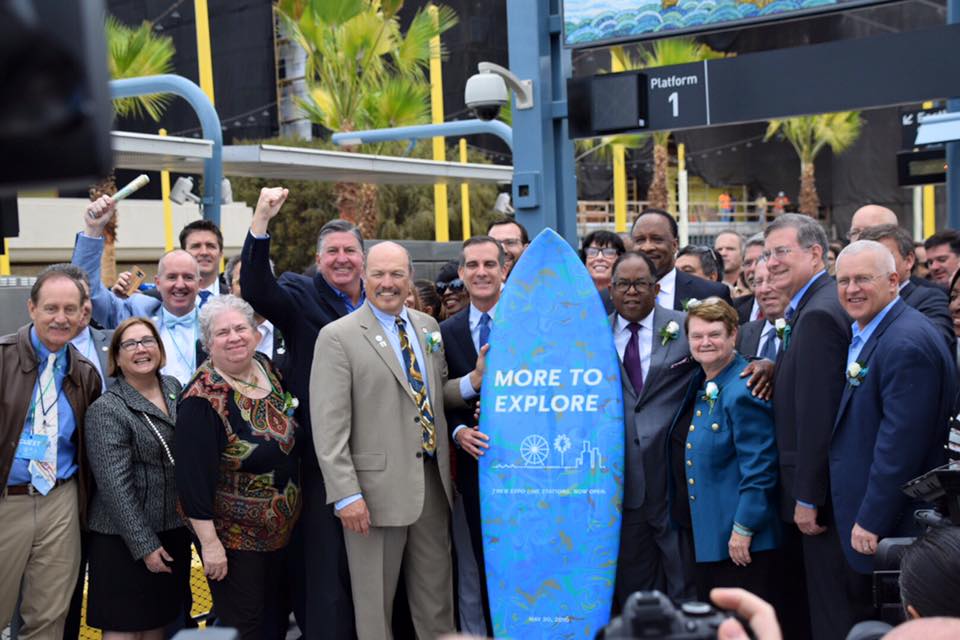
167	206
618	63
929	211
464	194
441	215
5	259
204	59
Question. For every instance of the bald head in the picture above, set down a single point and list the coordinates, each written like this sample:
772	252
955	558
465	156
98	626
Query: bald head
178	280
871	215
389	274
926	629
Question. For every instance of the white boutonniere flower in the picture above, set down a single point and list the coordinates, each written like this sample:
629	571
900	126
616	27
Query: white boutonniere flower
710	394
692	303
434	342
669	332
856	372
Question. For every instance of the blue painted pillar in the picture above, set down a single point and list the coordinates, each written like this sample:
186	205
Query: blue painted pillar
953	148
544	184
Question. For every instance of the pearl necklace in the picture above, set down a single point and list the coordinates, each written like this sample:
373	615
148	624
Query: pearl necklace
163	442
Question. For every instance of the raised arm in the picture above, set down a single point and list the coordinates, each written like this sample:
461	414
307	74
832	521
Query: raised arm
260	287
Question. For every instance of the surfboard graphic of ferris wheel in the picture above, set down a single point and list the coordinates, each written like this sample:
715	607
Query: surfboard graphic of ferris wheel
534	450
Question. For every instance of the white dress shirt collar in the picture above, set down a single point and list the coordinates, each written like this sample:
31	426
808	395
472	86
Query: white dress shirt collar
668	289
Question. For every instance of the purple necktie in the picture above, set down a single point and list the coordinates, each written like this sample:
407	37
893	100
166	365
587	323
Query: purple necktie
631	358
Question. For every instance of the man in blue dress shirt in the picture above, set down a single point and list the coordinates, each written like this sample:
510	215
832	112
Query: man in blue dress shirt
178	281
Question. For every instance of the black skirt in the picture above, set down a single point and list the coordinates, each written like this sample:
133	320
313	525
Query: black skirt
124	595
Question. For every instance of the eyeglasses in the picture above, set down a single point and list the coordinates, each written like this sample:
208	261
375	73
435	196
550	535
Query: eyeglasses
511	242
779	253
455	286
606	252
622	286
854	234
860	281
149	342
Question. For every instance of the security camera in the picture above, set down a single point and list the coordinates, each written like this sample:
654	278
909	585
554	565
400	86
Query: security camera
485	93
181	191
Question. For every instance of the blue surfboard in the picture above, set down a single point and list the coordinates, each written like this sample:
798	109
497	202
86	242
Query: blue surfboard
551	482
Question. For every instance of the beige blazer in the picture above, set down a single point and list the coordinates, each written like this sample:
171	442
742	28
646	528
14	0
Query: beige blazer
366	427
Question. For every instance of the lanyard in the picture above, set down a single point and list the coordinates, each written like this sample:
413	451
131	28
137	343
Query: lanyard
176	343
39	397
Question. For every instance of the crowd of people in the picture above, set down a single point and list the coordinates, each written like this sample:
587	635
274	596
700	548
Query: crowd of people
315	436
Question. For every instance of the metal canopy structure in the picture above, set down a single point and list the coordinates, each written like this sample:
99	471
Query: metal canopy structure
187	155
270	161
148	152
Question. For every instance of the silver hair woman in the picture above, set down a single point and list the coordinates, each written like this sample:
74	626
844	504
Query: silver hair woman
237	465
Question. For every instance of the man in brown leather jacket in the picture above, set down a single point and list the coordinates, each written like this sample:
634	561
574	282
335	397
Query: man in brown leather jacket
45	389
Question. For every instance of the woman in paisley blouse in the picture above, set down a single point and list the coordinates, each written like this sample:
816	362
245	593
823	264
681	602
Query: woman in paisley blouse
238	467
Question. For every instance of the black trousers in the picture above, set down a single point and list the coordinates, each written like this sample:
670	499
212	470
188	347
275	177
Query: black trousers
324	604
250	589
839	596
790	590
756	577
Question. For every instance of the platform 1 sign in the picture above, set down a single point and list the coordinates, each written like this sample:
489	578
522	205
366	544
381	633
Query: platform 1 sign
551	484
677	95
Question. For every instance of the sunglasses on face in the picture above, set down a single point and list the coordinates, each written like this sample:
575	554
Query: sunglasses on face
454	286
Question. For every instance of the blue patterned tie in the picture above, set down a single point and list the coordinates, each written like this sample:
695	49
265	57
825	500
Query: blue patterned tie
769	350
204	296
419	389
484	329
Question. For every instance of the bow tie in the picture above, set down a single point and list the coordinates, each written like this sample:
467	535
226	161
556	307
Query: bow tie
171	321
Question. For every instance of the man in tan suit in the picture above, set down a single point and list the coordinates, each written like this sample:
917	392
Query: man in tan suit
377	392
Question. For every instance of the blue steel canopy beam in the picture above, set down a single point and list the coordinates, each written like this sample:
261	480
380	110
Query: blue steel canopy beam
209	123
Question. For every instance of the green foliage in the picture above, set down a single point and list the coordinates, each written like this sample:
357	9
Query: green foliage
132	53
810	134
406	212
363	72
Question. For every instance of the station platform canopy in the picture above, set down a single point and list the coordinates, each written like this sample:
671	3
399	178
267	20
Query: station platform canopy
186	155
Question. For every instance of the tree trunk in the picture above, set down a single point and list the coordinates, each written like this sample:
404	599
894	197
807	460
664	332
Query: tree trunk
657	195
809	200
368	213
108	260
348	200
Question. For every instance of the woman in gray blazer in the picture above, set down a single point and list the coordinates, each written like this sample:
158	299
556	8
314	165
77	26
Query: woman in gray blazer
139	549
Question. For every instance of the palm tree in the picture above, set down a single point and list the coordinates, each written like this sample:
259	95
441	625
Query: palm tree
131	53
662	53
363	72
809	135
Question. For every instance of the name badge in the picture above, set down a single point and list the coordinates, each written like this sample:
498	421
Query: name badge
32	447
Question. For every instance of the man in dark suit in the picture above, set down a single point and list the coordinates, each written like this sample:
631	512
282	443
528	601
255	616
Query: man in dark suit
482	270
760	338
300	306
931	301
894	412
655	233
656	370
808	381
943	256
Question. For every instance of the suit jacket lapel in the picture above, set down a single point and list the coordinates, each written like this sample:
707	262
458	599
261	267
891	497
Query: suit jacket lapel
659	354
867	351
371	331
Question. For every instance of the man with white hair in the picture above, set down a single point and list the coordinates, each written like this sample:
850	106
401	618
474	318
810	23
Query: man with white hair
892	421
178	281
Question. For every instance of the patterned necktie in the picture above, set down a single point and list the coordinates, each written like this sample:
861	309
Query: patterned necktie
484	329
769	350
204	296
631	358
43	473
419	389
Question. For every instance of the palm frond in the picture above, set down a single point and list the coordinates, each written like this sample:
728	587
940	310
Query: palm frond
133	53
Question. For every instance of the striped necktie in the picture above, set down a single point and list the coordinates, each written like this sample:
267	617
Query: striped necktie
419	389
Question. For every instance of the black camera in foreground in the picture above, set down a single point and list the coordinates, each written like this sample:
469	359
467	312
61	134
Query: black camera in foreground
650	614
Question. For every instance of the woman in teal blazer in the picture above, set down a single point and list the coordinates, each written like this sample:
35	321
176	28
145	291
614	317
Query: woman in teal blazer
730	461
